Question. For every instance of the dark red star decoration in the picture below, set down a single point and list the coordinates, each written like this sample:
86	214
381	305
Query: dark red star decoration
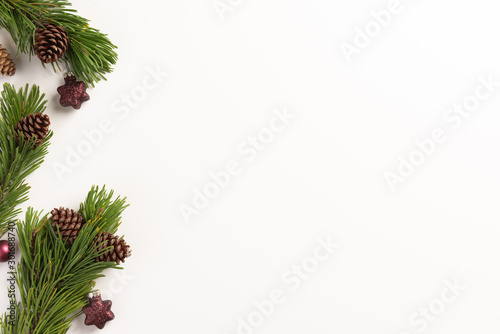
73	93
98	312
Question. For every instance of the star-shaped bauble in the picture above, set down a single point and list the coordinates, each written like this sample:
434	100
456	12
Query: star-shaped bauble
73	93
98	311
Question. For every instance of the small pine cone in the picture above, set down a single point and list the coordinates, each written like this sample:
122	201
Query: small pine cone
69	222
7	66
51	42
33	126
118	254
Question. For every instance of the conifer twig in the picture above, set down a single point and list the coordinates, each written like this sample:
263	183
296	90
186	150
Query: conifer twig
90	53
55	278
20	158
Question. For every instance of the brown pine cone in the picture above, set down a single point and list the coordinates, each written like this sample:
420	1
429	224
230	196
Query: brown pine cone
118	254
7	66
69	222
51	42
33	126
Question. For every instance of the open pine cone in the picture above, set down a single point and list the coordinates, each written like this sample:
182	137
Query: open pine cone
33	126
69	222
7	66
118	254
51	42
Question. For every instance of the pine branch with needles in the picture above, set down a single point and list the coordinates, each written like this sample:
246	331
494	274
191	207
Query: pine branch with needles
55	278
21	151
69	39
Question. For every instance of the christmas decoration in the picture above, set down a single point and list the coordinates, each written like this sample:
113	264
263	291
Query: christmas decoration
4	250
118	253
98	311
51	30
7	66
51	42
22	157
73	93
34	127
68	222
55	278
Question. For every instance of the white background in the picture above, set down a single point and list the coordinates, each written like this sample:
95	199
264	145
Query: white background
322	176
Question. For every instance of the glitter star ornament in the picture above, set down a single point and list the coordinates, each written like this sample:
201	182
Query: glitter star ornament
98	311
73	92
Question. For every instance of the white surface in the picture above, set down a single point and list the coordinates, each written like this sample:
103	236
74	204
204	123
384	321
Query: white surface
323	175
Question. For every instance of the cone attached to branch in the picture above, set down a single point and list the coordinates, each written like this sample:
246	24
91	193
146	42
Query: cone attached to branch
69	222
33	126
118	253
51	42
7	66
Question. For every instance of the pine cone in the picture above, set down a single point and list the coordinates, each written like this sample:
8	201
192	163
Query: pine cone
118	254
7	66
69	222
33	126
51	42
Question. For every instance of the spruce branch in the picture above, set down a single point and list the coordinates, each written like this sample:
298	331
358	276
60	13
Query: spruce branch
18	158
55	278
90	54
